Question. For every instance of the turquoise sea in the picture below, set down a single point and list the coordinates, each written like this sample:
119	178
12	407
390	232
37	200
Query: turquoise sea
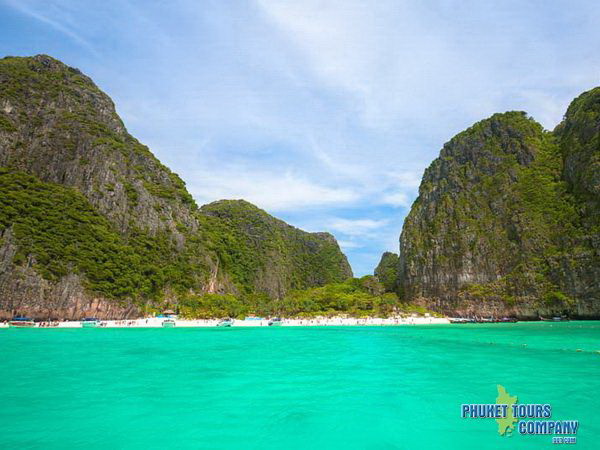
280	388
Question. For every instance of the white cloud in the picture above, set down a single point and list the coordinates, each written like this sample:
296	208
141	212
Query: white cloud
396	199
348	245
411	63
272	191
356	227
406	179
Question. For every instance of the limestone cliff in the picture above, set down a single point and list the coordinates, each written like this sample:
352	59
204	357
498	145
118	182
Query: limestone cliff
387	271
267	253
91	223
506	221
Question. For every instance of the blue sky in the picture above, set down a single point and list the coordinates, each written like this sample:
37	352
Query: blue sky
323	113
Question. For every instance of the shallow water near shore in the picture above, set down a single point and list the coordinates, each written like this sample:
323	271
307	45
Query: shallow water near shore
284	387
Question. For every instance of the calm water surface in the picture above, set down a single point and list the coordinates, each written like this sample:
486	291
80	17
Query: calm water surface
321	387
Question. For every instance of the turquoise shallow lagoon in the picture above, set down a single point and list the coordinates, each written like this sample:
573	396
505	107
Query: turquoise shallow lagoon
319	387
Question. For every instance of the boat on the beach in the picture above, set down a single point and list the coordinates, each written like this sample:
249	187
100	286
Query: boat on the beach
90	322
275	322
555	319
21	322
225	323
462	320
169	323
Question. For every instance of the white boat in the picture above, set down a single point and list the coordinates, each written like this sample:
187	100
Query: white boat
555	319
225	323
169	323
90	322
276	322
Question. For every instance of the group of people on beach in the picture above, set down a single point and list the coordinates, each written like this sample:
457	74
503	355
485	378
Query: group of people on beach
125	323
49	324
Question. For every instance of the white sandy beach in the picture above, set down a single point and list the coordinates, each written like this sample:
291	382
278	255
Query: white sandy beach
157	322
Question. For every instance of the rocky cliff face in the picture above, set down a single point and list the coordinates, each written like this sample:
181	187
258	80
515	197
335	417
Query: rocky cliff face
60	127
579	138
506	221
269	254
387	271
91	223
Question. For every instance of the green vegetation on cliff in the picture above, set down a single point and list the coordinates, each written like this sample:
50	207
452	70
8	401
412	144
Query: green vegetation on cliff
256	249
80	195
50	101
387	271
58	231
500	222
579	136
